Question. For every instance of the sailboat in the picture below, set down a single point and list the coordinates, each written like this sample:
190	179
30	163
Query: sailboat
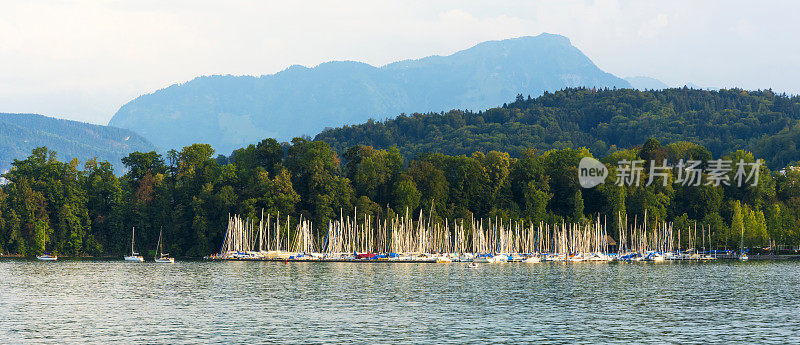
161	257
47	257
134	257
532	260
742	255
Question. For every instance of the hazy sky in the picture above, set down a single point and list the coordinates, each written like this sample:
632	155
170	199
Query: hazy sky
84	59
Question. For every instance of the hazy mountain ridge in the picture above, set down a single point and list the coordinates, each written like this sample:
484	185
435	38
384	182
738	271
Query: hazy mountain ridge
231	111
646	83
21	133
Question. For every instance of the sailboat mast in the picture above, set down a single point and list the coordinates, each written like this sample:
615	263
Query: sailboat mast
160	249
741	241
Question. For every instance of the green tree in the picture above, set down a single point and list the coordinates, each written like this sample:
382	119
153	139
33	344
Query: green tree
737	223
405	195
577	210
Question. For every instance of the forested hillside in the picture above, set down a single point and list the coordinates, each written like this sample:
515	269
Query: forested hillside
603	121
21	133
86	210
518	161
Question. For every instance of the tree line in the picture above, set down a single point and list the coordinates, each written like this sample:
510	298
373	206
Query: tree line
602	120
85	209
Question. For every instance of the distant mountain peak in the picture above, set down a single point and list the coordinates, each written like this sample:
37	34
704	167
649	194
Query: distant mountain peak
296	68
543	37
232	111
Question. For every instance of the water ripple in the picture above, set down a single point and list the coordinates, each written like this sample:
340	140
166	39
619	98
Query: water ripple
272	302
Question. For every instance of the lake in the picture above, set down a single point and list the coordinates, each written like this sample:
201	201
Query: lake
273	302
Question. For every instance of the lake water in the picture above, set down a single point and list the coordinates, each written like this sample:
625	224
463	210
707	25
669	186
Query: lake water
272	302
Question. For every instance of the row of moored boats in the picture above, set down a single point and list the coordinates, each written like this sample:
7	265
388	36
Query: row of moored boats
651	256
160	257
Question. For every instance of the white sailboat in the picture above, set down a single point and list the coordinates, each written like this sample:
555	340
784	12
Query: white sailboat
742	255
501	258
483	260
47	257
533	260
134	257
160	256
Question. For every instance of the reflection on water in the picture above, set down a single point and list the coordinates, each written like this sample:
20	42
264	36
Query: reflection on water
192	302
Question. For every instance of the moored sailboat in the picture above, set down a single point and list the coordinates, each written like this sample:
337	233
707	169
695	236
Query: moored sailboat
47	257
134	257
742	254
161	257
484	259
532	260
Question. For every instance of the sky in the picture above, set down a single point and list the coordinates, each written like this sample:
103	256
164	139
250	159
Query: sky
82	60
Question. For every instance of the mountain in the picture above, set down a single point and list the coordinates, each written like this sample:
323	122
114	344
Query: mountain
603	121
21	133
231	111
646	83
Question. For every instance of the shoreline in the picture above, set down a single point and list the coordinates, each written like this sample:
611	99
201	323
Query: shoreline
780	257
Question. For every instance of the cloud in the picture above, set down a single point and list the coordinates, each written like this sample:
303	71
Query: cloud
654	26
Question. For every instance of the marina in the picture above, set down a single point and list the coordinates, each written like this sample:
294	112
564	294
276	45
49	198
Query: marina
406	240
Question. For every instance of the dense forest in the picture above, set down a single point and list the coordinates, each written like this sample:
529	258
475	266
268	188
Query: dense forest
84	209
604	121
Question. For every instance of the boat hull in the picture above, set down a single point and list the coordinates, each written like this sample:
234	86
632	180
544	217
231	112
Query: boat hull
47	258
165	261
134	259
